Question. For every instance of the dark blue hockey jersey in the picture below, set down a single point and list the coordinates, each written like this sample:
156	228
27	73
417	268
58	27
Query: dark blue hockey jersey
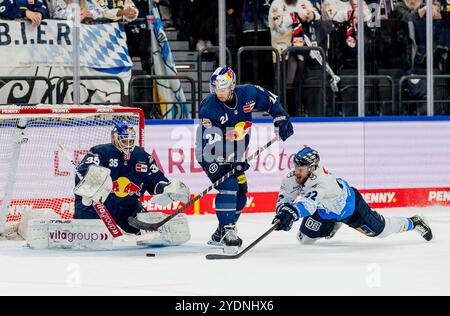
130	181
230	126
15	9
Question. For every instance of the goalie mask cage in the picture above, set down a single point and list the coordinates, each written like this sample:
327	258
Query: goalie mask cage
34	173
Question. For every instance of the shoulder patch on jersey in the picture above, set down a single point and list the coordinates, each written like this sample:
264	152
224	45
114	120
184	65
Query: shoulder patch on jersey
141	167
248	107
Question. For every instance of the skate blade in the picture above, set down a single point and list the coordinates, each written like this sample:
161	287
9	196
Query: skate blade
214	243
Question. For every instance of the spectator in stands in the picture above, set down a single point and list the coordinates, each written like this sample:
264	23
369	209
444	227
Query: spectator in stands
33	10
118	10
344	14
414	11
291	21
138	35
61	10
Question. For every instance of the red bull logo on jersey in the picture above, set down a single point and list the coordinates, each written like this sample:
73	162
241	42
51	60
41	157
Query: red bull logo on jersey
123	187
240	130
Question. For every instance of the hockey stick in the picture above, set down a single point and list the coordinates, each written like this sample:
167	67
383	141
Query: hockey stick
99	207
105	215
253	244
316	55
19	138
134	222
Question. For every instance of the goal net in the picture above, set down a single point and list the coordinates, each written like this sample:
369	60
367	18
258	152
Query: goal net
34	174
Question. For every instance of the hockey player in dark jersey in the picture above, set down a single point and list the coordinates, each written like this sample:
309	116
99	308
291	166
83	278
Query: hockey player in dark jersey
222	139
118	174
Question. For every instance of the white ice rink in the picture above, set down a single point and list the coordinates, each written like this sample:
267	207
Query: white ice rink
349	264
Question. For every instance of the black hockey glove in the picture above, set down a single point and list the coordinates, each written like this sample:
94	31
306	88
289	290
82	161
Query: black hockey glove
283	127
217	170
286	214
241	166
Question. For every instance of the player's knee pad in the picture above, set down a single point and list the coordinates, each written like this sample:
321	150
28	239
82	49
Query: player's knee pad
78	234
305	240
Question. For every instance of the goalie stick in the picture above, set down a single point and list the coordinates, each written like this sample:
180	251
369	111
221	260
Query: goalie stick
134	222
253	244
19	138
99	207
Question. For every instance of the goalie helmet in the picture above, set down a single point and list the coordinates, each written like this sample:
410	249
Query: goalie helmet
307	157
124	138
222	78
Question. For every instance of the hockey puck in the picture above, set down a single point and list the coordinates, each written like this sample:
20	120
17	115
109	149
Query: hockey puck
150	255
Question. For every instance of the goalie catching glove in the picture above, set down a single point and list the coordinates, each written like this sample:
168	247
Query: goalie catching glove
173	192
95	186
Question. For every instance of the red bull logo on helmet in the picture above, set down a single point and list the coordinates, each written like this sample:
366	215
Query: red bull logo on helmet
123	187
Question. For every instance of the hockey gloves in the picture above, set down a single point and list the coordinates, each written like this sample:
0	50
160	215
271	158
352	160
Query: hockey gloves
286	214
283	127
173	192
241	166
217	170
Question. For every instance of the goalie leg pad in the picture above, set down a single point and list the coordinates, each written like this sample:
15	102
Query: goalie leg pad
69	234
175	232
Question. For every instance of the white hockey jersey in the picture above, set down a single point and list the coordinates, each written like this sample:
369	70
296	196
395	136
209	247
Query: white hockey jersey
331	197
280	21
341	11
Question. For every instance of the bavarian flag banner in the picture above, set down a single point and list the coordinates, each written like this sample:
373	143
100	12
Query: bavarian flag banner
164	65
47	51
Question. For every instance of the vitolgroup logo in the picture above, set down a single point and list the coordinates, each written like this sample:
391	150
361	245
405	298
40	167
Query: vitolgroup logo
59	235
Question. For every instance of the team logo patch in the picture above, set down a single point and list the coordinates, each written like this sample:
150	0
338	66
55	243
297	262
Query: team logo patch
141	167
313	225
248	107
213	168
123	188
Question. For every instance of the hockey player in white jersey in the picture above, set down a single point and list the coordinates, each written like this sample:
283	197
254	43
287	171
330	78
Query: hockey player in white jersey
326	202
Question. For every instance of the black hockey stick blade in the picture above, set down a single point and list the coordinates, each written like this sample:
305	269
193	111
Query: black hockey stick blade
134	222
253	244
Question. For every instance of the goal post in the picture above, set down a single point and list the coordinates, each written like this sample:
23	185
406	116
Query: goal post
34	174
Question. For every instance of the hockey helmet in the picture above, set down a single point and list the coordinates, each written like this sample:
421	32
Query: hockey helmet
123	137
222	78
307	157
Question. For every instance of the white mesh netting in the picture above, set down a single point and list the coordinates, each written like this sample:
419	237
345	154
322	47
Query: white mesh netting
36	175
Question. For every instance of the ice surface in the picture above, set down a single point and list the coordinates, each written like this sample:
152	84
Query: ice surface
349	264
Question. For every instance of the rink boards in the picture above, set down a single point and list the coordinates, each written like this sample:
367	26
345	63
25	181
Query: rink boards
401	162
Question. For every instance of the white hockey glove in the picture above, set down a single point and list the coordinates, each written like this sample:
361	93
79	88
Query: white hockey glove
175	191
95	186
